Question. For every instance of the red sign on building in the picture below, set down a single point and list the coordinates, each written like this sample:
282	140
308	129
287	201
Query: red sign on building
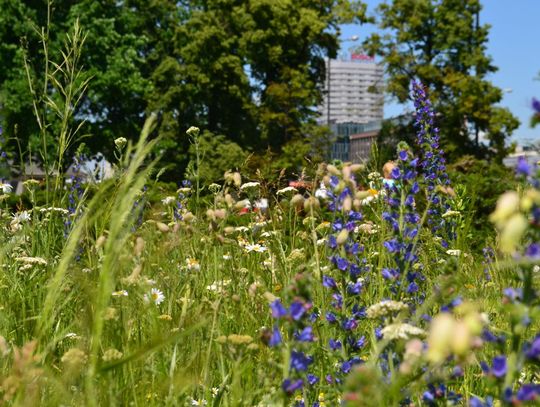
362	57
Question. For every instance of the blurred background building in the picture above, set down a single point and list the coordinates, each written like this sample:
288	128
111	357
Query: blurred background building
353	105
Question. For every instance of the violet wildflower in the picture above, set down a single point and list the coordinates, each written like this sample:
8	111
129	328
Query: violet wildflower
499	367
433	164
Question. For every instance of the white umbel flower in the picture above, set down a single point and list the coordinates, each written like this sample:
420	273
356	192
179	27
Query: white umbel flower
385	308
249	185
32	260
6	188
401	331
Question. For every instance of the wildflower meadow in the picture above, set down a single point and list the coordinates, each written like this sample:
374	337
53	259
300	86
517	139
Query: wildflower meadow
362	292
358	286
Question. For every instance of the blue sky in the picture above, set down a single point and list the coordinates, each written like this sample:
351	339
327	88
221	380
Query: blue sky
514	45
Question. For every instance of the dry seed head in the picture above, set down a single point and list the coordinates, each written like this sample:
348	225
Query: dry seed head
347	204
100	241
311	204
162	227
297	200
74	358
333	170
342	237
112	354
239	339
237	179
139	246
356	167
346	173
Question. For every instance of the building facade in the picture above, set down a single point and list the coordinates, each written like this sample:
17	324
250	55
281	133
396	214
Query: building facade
351	91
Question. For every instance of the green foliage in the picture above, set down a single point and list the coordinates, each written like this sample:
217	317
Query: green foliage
482	183
251	71
441	44
218	155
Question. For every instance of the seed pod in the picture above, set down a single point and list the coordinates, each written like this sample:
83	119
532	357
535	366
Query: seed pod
139	246
163	228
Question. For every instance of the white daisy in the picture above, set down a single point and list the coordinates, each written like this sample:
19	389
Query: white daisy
255	248
156	296
193	264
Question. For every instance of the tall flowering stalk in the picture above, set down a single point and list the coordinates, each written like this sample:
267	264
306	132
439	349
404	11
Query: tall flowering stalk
432	164
346	281
292	331
75	193
404	274
517	217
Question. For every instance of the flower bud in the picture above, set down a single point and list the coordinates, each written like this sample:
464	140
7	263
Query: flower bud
311	204
193	131
162	227
120	142
342	237
440	337
100	241
347	204
333	170
507	204
512	232
297	200
139	246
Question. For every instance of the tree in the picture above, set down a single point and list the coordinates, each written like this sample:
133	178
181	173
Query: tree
441	43
250	70
124	43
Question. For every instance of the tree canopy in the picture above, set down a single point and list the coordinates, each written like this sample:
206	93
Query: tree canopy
250	70
443	44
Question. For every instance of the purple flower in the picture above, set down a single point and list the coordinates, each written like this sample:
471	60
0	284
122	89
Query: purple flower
403	155
532	351
297	310
499	367
533	250
330	317
306	335
334	344
513	294
392	245
278	310
378	333
329	282
299	361
354	289
523	167
528	392
428	397
342	263
476	402
312	379
349	324
359	343
536	105
389	273
275	339
290	386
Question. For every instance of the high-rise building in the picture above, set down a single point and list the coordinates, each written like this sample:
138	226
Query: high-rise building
351	91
